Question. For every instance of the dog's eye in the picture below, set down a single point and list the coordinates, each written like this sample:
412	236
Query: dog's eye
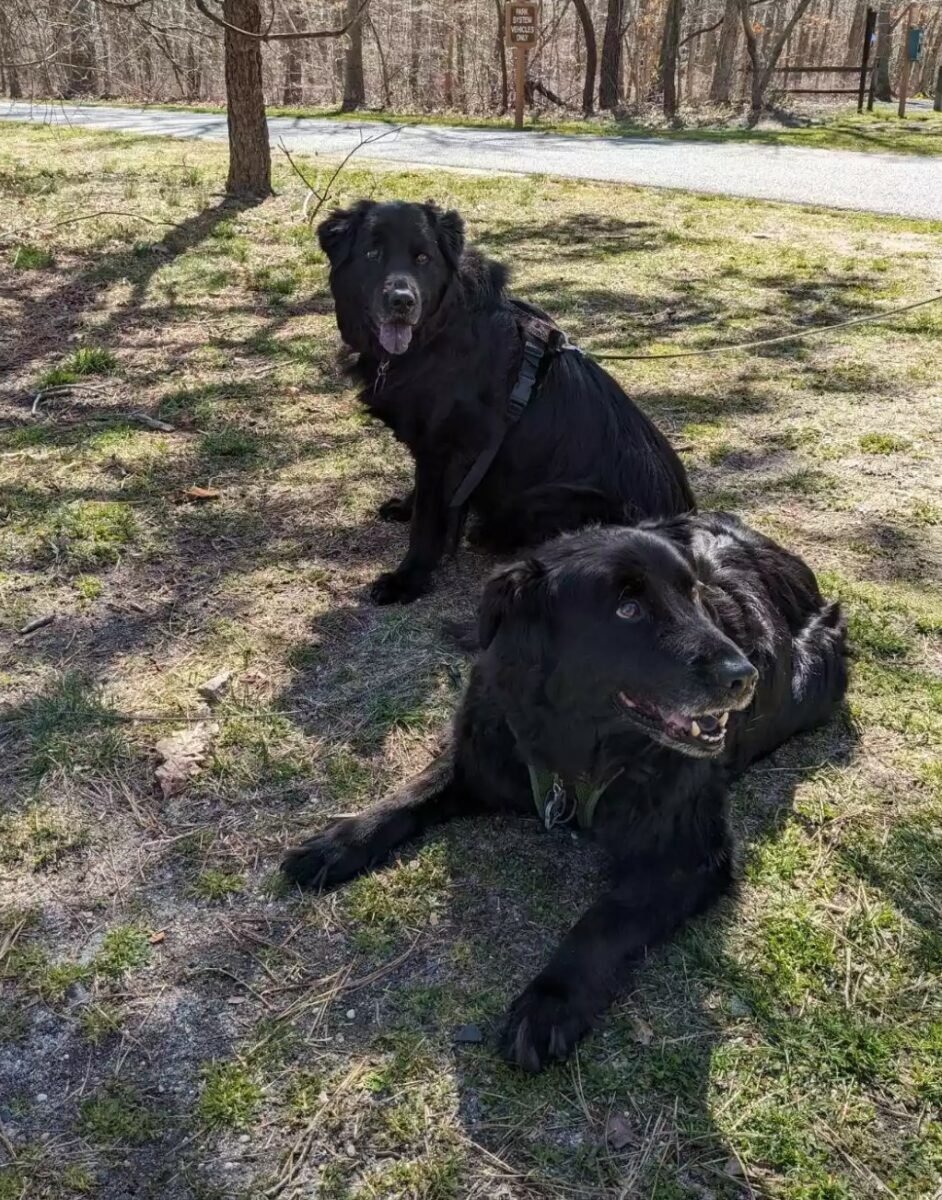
422	258
628	610
372	254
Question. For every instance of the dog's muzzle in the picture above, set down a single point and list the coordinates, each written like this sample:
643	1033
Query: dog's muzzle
401	309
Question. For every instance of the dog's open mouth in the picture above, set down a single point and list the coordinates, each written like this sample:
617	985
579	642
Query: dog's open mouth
705	731
395	336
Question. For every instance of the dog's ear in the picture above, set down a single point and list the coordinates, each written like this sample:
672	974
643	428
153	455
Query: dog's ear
338	233
449	232
506	592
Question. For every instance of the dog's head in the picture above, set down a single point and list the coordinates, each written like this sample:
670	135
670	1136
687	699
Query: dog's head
394	261
610	629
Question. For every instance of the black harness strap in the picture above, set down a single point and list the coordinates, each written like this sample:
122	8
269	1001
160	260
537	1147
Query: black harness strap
536	344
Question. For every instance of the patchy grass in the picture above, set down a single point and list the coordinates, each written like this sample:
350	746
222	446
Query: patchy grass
88	360
30	258
155	977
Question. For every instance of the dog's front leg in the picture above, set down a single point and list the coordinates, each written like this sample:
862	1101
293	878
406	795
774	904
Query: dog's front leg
427	537
586	972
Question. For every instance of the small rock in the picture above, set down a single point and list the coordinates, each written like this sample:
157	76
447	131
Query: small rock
468	1035
351	1013
618	1131
738	1007
77	994
214	689
350	1149
41	1097
228	1166
733	1167
642	1032
243	1138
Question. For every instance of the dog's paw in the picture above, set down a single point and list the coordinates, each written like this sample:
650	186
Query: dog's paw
544	1023
328	858
396	508
400	587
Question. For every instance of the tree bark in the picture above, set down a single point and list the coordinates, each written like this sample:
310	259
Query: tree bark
80	77
610	75
8	53
591	56
249	151
884	50
724	67
502	58
670	50
354	89
415	60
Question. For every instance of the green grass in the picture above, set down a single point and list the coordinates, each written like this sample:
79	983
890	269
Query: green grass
796	1031
30	258
229	1096
117	1115
87	360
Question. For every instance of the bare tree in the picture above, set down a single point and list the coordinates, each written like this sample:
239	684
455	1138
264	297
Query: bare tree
762	71
354	90
725	64
591	56
670	51
249	151
610	75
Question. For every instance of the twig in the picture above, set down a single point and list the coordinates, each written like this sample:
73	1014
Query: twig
38	623
312	191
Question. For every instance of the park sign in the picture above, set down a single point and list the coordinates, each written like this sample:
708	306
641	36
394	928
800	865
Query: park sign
521	22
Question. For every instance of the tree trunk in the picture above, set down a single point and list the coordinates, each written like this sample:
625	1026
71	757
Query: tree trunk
855	35
80	76
193	74
384	70
354	90
591	56
502	58
610	76
884	51
249	151
415	60
8	53
762	71
670	51
292	89
725	65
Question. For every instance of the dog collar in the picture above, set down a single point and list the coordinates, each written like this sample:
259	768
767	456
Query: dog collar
557	801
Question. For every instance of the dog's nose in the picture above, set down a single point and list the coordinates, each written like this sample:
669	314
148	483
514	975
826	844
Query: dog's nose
737	675
401	300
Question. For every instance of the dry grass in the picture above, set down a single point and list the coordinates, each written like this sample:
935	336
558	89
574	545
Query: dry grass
171	1022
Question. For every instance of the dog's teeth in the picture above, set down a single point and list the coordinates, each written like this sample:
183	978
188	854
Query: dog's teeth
694	729
723	720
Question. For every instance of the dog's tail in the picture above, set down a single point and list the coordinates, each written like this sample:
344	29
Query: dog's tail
819	665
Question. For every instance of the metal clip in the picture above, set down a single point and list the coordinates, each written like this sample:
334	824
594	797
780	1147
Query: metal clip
381	372
554	808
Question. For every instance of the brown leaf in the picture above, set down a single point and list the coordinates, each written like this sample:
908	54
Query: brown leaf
618	1131
200	494
642	1032
158	937
183	754
213	689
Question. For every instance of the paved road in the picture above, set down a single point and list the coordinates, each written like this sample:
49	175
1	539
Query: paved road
883	183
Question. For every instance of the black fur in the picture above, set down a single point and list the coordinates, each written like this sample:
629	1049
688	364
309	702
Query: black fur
597	652
582	452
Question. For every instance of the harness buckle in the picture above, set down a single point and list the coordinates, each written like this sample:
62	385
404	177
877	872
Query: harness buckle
555	805
381	372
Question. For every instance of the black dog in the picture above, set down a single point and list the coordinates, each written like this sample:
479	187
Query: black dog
441	345
632	672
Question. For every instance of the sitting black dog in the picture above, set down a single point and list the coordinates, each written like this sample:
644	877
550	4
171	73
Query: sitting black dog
627	675
441	347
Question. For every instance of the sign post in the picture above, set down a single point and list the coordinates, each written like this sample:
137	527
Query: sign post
520	27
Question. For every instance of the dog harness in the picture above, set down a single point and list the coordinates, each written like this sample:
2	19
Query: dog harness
540	340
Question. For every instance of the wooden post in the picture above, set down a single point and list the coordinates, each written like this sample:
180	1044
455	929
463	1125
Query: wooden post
907	64
868	38
937	106
520	84
521	21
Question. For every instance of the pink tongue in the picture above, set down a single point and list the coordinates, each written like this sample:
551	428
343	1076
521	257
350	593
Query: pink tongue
395	337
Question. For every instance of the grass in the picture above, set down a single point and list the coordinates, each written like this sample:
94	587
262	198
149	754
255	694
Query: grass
880	131
87	360
173	998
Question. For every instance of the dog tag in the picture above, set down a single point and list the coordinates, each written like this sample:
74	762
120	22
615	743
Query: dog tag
554	807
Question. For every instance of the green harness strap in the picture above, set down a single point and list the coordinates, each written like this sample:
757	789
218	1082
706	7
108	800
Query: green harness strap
553	801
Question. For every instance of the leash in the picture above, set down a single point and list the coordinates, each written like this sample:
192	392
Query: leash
798	335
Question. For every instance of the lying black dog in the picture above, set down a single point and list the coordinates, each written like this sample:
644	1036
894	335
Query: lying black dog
632	672
441	346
